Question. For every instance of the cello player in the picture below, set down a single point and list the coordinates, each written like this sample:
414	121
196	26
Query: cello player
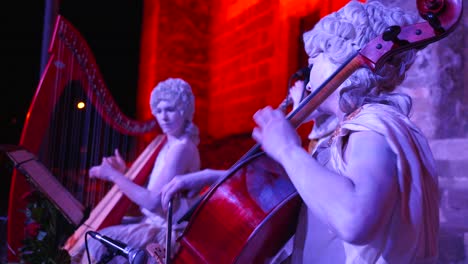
370	189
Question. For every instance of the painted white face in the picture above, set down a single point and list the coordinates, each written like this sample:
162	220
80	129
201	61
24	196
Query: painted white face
169	118
323	68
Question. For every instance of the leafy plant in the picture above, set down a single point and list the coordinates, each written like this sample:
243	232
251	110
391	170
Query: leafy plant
41	243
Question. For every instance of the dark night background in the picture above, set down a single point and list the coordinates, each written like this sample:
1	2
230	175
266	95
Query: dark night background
112	30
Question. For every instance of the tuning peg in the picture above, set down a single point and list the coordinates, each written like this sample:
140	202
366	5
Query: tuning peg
391	34
434	22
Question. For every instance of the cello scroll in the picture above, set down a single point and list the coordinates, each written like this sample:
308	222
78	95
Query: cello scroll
441	17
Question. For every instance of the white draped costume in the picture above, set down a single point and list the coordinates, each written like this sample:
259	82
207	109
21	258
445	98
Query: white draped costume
411	234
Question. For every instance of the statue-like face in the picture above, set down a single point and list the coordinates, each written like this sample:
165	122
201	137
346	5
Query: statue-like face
169	117
323	68
175	92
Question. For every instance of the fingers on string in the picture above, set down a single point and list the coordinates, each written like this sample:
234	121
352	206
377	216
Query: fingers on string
117	154
93	172
257	134
259	118
107	160
168	192
277	114
169	195
262	116
163	198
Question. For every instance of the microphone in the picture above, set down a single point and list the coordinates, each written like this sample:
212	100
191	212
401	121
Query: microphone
134	256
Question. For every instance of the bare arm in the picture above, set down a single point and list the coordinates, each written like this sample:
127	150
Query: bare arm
354	204
189	184
177	161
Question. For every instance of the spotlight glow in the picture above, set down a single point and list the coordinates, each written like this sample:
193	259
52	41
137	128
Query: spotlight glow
80	105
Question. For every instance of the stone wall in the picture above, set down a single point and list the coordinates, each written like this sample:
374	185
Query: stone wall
175	43
436	83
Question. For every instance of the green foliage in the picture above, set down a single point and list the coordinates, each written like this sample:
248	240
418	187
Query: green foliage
41	238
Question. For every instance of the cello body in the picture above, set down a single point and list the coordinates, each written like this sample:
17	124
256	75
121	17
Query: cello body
255	209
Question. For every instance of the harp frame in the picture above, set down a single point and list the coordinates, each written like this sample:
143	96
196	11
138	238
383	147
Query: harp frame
71	57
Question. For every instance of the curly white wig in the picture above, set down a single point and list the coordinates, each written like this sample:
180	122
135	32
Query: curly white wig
343	33
178	91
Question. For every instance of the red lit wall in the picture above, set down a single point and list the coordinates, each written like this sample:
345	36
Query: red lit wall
175	43
236	54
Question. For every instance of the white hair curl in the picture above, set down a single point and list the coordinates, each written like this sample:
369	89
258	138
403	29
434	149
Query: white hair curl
343	33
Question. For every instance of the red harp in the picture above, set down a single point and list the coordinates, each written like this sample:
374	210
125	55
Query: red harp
68	139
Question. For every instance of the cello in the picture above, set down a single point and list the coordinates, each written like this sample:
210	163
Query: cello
245	217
